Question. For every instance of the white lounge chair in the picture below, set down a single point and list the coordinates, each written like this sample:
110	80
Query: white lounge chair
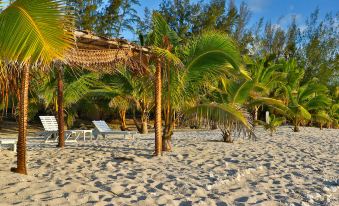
12	142
51	129
101	128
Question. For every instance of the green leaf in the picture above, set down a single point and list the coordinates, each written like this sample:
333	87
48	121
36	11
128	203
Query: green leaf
35	31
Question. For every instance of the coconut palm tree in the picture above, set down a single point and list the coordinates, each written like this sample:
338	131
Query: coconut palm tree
163	41
230	99
302	102
32	33
272	124
122	104
322	118
76	86
267	77
188	68
127	90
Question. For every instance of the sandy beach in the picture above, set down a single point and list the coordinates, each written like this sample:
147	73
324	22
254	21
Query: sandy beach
286	169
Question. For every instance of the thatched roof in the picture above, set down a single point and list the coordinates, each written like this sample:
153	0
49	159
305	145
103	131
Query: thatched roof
95	52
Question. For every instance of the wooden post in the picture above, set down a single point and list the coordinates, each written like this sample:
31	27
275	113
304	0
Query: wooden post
158	120
61	121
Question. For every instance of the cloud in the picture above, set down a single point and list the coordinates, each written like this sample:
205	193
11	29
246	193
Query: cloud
287	19
302	28
276	26
258	5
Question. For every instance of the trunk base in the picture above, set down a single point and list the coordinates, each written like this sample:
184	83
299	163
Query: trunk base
296	129
167	146
226	136
16	170
144	128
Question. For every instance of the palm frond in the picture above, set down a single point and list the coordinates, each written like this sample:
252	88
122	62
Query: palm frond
77	89
35	31
210	56
228	115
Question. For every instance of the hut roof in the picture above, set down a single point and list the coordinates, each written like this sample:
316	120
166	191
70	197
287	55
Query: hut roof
95	52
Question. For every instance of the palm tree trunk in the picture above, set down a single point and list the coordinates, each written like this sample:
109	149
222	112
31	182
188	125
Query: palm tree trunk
144	122
61	121
158	121
255	115
23	113
226	135
296	126
167	136
122	114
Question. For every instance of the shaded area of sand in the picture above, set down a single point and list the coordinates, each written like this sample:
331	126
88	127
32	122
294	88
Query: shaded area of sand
289	168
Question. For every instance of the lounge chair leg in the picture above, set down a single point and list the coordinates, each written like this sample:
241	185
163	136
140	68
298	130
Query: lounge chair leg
14	147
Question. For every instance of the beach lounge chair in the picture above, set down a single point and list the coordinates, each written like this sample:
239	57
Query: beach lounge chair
12	142
51	130
101	128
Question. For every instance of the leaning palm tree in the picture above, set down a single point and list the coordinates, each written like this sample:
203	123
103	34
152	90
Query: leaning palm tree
33	33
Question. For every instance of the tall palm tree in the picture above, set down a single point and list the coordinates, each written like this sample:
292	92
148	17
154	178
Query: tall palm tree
32	32
187	69
162	40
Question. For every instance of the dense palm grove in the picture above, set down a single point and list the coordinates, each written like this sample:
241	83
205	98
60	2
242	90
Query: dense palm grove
217	71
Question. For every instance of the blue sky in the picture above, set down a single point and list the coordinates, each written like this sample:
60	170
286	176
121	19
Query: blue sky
278	11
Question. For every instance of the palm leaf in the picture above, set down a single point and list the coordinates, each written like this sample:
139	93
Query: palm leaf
210	55
230	115
77	89
241	91
35	31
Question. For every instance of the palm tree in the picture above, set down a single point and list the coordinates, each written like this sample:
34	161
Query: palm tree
228	109
187	69
301	102
309	97
125	90
272	124
122	105
76	86
267	77
322	118
32	32
162	40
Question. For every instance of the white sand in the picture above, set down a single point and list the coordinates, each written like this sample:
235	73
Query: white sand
288	169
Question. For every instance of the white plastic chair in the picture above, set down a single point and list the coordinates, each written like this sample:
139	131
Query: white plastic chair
12	142
51	129
101	128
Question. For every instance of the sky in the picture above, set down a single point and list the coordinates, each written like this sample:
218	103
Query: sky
278	11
